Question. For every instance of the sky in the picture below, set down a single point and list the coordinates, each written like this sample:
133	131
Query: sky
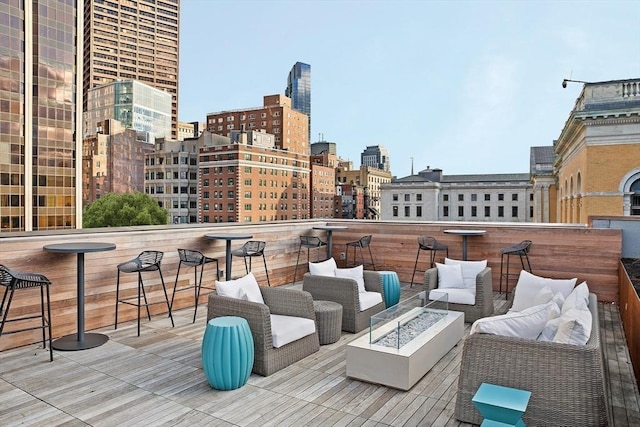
465	86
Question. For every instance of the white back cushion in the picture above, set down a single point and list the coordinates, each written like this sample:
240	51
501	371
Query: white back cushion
529	285
355	273
324	268
245	287
523	324
470	269
369	299
286	329
449	276
578	298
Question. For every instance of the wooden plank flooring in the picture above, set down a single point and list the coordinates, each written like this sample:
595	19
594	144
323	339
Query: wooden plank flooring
156	379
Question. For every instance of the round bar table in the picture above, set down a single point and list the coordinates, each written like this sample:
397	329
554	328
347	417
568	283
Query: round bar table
79	340
465	233
330	229
228	237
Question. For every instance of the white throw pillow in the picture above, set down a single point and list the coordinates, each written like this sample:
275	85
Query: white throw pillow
470	269
529	285
523	324
575	327
355	273
243	288
450	276
324	268
578	298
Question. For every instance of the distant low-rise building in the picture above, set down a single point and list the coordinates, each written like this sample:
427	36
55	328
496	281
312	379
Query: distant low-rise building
370	179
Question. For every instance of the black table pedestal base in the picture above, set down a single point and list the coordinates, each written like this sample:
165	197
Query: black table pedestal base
71	343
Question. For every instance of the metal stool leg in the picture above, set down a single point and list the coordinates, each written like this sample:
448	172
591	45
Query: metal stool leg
264	260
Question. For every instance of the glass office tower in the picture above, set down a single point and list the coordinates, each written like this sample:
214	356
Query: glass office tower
299	89
40	126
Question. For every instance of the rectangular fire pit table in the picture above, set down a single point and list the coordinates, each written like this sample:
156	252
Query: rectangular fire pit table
397	364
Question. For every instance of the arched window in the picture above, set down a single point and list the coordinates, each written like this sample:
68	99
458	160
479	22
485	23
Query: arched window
635	198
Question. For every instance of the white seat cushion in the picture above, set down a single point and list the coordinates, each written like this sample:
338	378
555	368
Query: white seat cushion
324	268
455	296
369	299
529	285
523	324
449	276
245	287
470	269
286	329
355	273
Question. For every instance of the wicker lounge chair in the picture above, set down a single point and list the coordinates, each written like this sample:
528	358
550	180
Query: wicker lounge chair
566	381
484	295
287	302
345	292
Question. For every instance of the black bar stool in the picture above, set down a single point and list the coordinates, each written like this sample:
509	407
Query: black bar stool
363	242
309	242
521	250
12	280
249	250
146	261
193	258
426	243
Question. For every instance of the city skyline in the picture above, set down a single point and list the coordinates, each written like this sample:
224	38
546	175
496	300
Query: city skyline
488	85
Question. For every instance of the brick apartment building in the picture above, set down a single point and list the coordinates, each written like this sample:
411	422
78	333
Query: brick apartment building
323	184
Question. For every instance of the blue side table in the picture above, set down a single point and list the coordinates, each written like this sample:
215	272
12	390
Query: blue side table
227	352
501	406
391	286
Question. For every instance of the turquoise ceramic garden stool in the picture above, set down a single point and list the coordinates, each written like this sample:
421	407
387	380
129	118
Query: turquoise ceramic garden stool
391	286
227	352
501	406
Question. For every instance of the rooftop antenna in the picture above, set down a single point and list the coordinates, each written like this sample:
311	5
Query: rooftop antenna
411	165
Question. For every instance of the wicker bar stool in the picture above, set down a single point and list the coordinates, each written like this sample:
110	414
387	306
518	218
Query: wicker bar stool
146	261
363	242
12	280
309	242
249	250
426	243
195	259
521	250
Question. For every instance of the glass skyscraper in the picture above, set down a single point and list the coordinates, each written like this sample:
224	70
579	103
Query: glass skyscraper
299	89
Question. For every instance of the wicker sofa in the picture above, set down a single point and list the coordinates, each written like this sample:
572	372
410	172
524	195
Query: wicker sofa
566	381
288	302
345	292
484	295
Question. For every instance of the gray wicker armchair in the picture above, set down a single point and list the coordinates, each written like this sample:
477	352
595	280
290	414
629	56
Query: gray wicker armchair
566	381
484	295
287	302
345	292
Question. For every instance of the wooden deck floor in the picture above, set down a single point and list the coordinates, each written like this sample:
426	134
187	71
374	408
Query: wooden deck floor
156	379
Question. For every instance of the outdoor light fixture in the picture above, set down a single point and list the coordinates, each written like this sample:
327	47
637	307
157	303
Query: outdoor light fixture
564	82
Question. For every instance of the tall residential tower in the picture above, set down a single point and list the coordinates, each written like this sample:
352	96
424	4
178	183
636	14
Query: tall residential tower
299	90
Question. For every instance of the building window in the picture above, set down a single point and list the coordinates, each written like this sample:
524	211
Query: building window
460	211
445	197
474	197
500	196
514	211
418	197
514	197
461	197
501	211
445	211
531	197
487	197
418	211
395	197
487	211
474	211
395	211
407	197
407	211
530	211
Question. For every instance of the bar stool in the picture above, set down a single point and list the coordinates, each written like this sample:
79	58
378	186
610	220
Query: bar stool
363	242
193	258
309	242
521	250
12	280
249	250
146	261
426	243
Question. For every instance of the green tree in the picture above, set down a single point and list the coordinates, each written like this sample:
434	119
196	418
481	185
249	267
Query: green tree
116	210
